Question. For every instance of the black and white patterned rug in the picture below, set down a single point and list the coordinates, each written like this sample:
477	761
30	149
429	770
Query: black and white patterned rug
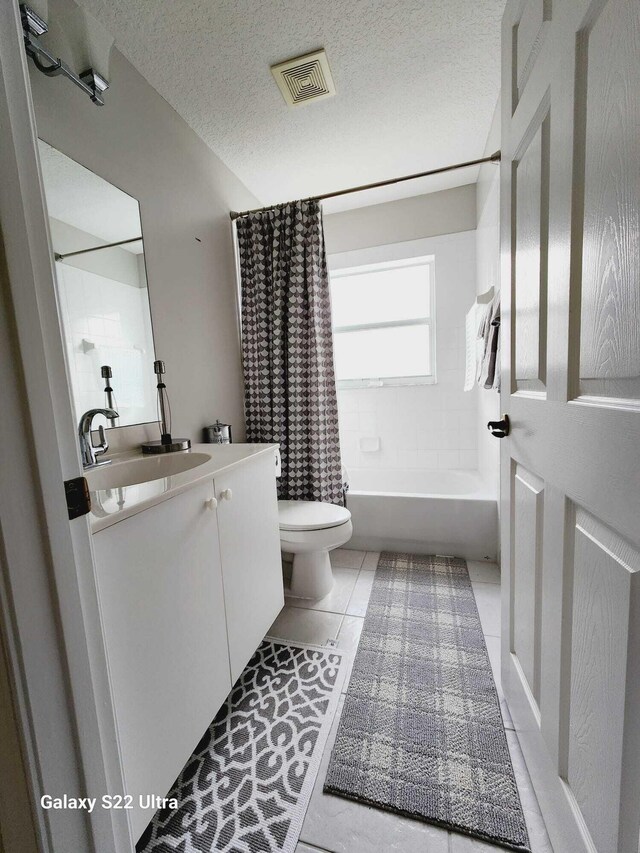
421	733
247	785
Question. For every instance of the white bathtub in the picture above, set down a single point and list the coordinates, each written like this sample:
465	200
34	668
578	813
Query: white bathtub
423	512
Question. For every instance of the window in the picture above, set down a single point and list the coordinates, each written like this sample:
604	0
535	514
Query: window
383	323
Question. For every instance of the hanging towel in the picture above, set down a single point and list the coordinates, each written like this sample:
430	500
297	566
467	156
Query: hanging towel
489	331
471	344
474	340
495	346
483	342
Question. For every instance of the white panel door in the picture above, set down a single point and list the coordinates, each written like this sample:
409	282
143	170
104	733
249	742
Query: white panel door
250	550
570	468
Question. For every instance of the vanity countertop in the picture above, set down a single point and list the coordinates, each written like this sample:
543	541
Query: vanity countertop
114	504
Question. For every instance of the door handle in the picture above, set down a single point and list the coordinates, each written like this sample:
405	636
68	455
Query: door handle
226	495
500	429
211	504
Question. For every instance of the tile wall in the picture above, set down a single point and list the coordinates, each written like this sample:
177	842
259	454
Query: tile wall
423	426
107	322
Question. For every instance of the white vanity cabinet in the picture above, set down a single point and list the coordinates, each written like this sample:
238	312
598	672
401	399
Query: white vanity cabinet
250	550
187	589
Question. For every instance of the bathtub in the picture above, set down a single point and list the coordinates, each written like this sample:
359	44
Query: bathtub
423	512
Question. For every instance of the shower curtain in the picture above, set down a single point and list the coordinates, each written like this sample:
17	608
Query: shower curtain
287	347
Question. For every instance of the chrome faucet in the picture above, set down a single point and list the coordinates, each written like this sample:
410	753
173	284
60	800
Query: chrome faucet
89	450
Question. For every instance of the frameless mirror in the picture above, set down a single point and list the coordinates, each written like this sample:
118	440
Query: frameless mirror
103	299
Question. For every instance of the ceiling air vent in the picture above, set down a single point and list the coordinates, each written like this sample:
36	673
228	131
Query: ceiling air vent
304	78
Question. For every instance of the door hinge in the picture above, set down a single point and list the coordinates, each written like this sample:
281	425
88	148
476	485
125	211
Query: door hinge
78	497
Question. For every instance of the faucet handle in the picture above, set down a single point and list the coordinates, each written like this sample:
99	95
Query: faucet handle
101	448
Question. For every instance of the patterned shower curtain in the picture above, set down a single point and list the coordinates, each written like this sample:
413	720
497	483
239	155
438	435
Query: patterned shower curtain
287	347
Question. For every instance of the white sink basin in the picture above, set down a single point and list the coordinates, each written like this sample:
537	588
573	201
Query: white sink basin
133	482
143	469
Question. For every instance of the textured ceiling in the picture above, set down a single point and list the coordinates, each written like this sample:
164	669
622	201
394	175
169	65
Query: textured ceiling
416	81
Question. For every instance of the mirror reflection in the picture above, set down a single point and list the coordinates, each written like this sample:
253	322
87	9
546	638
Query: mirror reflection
103	299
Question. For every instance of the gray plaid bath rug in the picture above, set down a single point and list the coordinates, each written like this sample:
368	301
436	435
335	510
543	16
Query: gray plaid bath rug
248	783
421	733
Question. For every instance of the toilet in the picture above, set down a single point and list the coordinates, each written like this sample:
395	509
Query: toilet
309	530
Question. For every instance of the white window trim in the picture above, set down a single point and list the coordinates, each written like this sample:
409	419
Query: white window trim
340	270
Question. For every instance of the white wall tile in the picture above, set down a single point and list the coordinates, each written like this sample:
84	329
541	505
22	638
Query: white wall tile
407	458
112	316
488	275
468	436
468	459
428	459
367	423
448	459
349	420
367	399
347	402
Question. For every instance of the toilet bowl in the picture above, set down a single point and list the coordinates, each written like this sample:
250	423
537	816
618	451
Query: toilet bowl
309	530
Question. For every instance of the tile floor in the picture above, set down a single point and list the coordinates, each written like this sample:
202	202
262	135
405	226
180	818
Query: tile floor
335	825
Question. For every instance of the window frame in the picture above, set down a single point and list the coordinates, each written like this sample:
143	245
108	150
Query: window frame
344	271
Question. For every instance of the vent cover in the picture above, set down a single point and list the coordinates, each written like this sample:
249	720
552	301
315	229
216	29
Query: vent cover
304	78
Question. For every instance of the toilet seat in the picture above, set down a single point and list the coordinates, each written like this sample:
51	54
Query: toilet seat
308	531
311	515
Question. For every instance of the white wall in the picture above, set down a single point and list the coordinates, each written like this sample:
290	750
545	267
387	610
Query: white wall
444	212
138	143
488	275
420	426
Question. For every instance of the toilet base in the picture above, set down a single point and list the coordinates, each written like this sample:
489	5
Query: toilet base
311	576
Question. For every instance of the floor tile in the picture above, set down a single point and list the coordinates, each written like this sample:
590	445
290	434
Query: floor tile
348	639
464	844
350	631
371	561
535	824
337	600
305	626
343	826
482	571
361	592
488	601
493	648
506	715
345	558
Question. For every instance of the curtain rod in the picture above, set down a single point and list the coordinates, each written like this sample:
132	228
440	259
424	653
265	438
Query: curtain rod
97	248
493	158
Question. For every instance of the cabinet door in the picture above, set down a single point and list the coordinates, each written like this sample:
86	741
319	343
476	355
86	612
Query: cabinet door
161	598
250	549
